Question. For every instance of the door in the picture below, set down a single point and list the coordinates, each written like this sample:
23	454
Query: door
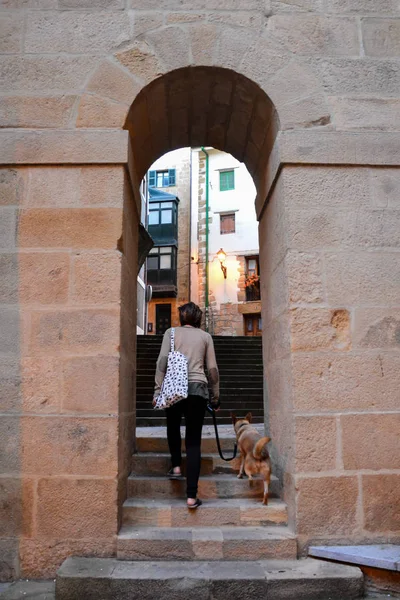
252	325
163	317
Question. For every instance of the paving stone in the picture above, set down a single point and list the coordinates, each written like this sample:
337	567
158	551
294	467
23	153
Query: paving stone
384	556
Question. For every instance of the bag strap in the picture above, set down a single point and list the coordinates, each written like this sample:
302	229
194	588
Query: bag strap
172	339
212	413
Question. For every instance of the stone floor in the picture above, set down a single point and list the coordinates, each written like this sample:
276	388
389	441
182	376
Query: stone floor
45	590
224	431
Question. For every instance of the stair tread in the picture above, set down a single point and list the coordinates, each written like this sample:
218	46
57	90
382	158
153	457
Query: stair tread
269	570
245	503
211	477
128	532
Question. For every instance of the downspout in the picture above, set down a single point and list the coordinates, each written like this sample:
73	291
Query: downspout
206	258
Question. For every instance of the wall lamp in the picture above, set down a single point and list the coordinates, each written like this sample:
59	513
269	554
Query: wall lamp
221	255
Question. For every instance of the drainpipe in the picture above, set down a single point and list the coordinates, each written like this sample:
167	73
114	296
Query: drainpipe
206	259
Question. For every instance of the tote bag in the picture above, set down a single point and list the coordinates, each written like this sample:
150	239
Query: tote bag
175	384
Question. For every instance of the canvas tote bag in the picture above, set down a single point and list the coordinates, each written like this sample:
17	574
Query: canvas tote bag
175	384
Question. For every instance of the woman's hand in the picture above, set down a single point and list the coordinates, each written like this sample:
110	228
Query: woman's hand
215	405
154	402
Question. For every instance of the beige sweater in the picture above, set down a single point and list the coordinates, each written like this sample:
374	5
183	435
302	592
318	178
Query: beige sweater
198	347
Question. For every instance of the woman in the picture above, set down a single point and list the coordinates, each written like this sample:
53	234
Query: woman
198	347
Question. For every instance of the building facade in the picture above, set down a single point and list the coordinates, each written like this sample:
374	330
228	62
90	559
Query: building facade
306	94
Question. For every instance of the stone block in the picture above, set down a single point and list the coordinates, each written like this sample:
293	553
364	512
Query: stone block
35	112
89	446
82	508
385	188
40	388
9	278
80	4
10	448
203	40
340	76
90	384
70	228
207	543
75	331
345	383
43	277
75	186
264	60
97	278
110	81
17	501
12	185
283	6
146	21
76	31
320	328
313	111
305	278
141	61
376	328
291	83
381	37
10	383
381	493
9	331
95	111
337	187
365	113
232	5
316	34
30	74
361	433
9	559
362	278
315	443
362	6
8	225
11	26
327	506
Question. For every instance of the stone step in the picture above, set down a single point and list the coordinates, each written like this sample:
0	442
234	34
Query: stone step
211	486
173	512
220	543
152	463
208	445
161	421
222	414
111	579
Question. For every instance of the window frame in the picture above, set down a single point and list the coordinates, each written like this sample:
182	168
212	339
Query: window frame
222	218
168	178
159	251
226	186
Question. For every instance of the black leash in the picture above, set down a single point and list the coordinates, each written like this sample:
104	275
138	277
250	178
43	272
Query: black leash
212	413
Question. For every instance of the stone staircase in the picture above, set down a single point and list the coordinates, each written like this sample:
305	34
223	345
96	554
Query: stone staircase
231	547
241	378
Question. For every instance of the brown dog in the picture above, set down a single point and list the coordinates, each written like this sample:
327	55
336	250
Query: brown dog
253	448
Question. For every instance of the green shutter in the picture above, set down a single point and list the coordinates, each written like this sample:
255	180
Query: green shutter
152	179
226	180
172	176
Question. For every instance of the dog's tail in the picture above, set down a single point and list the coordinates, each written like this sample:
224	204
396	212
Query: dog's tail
260	449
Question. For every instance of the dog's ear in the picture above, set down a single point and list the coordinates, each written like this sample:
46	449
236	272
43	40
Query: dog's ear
234	419
249	417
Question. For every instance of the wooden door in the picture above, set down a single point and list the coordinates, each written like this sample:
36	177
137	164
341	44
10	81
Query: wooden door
163	318
252	325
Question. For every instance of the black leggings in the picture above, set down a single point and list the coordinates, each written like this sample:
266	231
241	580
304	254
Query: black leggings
193	408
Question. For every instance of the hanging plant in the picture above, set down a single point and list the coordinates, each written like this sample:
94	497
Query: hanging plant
252	280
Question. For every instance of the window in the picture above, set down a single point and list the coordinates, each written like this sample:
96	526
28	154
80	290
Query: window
164	178
227	223
160	258
252	280
226	180
161	213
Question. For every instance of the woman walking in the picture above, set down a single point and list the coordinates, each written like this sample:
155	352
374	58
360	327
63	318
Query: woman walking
198	348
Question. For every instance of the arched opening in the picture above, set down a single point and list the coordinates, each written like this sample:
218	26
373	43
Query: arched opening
204	106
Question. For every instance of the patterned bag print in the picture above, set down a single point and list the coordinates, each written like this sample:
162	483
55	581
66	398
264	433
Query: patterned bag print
175	384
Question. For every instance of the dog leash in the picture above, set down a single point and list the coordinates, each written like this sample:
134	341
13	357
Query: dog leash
212	413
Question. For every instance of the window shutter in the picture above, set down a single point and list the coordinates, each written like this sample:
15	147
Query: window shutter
172	176
227	223
152	179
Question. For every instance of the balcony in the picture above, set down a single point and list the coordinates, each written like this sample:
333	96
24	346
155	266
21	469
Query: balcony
163	282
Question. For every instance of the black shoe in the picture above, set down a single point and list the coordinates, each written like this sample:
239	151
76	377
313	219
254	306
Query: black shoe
172	475
195	505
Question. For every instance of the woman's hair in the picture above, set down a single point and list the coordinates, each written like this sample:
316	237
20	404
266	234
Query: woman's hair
190	314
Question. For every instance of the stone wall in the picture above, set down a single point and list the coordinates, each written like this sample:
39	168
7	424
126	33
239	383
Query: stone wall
325	73
60	363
